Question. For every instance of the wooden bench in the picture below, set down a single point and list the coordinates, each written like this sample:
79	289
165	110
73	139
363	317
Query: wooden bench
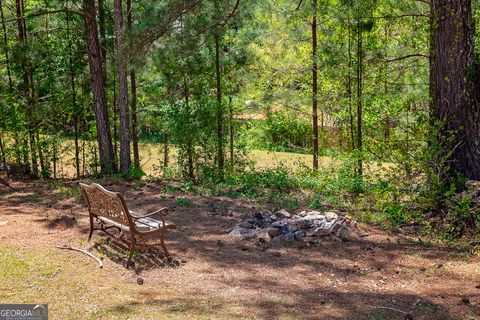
109	210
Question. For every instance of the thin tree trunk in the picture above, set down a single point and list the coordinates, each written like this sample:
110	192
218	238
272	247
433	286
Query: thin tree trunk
232	134
5	43
33	152
219	109
25	148
104	137
349	86
17	149
191	173
125	160
455	87
40	154
359	98
55	151
114	116
2	154
386	120
165	151
314	86
83	157
133	89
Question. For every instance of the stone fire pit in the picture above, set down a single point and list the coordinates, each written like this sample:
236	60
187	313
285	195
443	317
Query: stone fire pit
282	227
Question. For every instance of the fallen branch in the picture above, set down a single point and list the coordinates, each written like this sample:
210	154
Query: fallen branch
408	315
393	309
83	251
4	182
364	235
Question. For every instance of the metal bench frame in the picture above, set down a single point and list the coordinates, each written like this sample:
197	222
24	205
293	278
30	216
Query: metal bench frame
110	211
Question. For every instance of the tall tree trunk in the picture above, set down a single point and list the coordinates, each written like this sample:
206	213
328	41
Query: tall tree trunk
455	86
55	151
103	38
125	159
28	89
83	157
165	151
114	116
104	137
2	154
133	89
40	155
74	97
359	97
10	86
349	85
25	147
5	43
219	107
314	86
191	173
77	149
232	134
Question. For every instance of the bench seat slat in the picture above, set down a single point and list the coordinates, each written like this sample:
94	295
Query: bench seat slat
142	224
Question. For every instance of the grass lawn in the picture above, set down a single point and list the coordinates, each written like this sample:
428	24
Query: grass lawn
152	155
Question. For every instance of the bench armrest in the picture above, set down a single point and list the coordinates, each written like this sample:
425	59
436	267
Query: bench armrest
136	216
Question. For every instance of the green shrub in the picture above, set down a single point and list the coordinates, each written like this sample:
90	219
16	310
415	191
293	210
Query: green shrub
182	201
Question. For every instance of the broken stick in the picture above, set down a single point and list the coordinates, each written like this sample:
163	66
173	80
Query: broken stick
83	251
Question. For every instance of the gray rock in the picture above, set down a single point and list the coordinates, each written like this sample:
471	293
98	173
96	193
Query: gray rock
263	215
273	232
331	215
266	213
281	223
472	184
263	234
278	224
299	235
321	232
242	233
311	221
245	224
310	232
289	237
314	217
283	238
344	233
335	226
321	224
303	214
282	214
301	224
278	240
328	224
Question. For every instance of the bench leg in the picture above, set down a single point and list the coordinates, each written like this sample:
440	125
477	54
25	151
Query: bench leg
130	253
162	242
91	229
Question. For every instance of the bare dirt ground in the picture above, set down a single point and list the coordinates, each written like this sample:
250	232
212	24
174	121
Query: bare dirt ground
218	278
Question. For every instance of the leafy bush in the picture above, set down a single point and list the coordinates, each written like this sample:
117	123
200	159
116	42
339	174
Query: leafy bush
182	201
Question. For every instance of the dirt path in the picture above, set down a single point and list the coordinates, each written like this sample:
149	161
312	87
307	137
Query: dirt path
219	278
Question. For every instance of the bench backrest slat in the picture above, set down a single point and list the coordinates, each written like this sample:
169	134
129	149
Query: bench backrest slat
104	203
